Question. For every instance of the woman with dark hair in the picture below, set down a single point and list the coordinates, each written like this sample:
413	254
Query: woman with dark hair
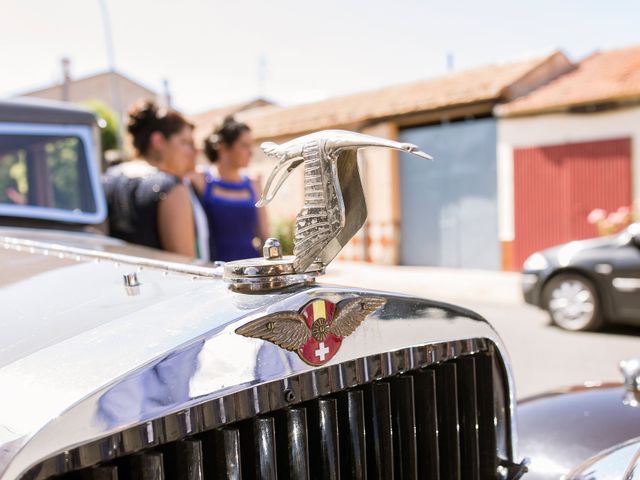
148	202
237	227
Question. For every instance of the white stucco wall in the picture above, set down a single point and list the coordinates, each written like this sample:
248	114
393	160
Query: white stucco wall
554	129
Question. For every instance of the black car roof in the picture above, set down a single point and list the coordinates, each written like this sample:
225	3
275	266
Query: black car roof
31	110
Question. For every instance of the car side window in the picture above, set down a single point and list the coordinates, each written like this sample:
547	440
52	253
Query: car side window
46	175
14	186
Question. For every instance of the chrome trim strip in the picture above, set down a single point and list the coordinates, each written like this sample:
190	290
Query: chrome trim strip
85	133
626	284
117	387
80	254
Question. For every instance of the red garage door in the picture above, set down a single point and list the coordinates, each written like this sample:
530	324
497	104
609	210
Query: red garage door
557	186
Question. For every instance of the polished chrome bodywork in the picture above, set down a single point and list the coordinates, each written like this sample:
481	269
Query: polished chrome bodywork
630	370
86	361
265	274
561	429
271	272
621	462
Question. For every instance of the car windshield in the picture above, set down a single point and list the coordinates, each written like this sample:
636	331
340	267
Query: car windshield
44	172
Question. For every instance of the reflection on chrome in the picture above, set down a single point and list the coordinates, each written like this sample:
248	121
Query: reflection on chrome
178	373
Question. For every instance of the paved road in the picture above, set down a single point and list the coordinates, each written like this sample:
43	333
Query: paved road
543	357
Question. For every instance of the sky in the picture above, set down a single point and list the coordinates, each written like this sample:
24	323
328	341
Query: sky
216	53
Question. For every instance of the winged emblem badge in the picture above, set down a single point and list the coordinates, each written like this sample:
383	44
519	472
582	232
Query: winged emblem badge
316	331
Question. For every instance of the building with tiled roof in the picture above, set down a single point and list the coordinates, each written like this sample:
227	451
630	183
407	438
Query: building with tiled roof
566	148
419	213
600	81
472	92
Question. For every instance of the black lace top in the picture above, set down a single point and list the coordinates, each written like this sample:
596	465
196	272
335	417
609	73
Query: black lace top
134	192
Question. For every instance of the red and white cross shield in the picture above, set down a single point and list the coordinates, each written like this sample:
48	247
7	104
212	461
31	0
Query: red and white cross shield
322	345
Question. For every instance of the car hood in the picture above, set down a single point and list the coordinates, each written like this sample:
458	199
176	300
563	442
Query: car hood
56	285
555	429
82	356
48	296
70	326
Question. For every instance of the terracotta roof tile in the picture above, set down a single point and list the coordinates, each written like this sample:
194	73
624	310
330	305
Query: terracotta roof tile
480	84
602	77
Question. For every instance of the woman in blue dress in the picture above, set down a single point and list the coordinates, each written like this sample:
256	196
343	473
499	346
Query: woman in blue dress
236	227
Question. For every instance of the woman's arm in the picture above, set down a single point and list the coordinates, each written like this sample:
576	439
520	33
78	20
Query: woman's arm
175	222
263	221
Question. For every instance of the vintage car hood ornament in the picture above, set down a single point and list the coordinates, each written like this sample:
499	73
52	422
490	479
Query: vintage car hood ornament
316	331
334	206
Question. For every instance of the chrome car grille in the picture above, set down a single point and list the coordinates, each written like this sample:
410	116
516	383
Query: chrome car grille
424	412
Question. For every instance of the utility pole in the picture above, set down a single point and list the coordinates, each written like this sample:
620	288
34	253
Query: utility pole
262	75
450	65
114	84
66	79
166	94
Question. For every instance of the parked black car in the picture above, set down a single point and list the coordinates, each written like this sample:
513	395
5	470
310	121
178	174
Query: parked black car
586	283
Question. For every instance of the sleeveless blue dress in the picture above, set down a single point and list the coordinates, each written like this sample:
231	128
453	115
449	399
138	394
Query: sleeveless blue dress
233	222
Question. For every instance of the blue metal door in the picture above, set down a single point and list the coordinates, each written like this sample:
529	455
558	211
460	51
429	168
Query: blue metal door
449	207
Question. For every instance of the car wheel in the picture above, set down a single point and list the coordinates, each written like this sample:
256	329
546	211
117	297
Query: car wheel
572	303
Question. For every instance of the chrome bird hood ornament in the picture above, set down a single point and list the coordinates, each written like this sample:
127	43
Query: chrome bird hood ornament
334	205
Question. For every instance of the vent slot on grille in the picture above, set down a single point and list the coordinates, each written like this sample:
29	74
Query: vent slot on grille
433	422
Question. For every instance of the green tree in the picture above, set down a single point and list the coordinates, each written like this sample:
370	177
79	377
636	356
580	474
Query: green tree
284	230
62	160
108	120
